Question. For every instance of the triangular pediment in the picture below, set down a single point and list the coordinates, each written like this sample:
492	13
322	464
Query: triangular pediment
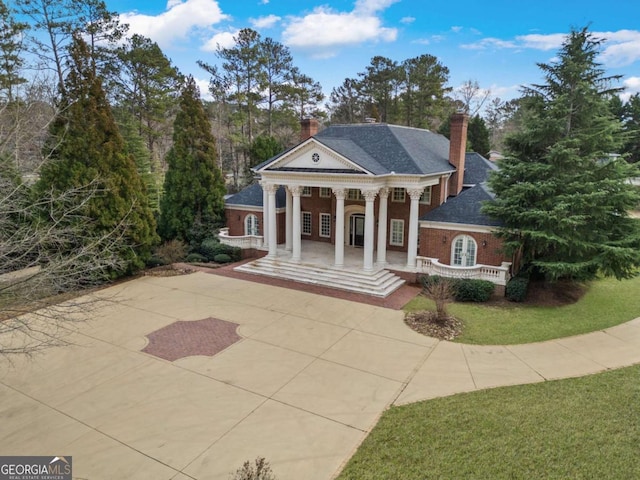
312	156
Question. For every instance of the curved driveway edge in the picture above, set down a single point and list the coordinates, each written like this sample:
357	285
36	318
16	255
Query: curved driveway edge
302	388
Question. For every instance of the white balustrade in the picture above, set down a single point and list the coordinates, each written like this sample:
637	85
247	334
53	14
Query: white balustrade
431	266
241	241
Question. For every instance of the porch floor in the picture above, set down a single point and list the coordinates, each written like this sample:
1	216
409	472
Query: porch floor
323	254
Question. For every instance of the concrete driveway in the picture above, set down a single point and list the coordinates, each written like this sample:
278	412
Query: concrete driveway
302	388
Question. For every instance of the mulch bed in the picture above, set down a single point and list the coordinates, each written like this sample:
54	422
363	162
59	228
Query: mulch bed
425	323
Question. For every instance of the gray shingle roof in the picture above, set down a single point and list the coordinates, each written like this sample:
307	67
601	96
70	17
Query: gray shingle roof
251	196
477	168
464	208
381	149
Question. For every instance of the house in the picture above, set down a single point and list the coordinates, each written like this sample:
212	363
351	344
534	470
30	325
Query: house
373	191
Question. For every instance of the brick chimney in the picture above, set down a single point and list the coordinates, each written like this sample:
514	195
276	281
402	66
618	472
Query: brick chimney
308	128
457	150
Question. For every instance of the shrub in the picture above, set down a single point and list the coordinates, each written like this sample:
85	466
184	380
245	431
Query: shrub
171	251
260	471
155	261
471	290
222	258
516	290
211	247
196	258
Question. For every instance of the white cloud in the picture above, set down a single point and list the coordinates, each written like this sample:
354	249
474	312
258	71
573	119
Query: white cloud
265	22
456	28
631	87
324	31
203	86
541	42
179	19
489	42
222	39
620	48
372	6
407	20
422	41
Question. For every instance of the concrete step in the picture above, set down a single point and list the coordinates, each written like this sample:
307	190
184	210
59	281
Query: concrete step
379	283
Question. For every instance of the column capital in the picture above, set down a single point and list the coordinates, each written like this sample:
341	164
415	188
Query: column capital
369	194
340	193
384	193
415	193
269	187
295	190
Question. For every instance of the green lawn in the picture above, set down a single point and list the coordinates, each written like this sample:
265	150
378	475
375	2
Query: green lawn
585	428
607	302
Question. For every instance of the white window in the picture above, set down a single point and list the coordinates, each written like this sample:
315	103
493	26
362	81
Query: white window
306	223
251	225
426	196
397	232
354	194
306	192
325	224
325	192
463	251
398	195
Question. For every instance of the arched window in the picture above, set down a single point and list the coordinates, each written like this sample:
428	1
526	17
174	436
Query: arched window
463	251
251	225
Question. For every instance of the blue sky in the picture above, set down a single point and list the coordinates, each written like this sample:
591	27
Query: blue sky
494	42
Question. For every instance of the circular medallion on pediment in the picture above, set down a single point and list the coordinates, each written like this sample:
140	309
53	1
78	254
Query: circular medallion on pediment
315	157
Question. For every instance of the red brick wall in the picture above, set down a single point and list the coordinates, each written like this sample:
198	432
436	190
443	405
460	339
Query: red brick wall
436	243
457	150
235	222
316	205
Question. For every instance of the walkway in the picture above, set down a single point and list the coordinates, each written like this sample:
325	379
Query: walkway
303	387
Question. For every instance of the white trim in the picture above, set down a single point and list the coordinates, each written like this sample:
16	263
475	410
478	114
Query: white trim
393	194
320	217
306	148
461	227
255	225
310	216
251	208
427	189
391	231
463	255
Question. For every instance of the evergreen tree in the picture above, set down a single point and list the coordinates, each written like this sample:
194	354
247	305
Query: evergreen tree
84	147
562	195
478	136
193	202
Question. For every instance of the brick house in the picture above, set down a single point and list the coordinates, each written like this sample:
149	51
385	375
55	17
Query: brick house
374	191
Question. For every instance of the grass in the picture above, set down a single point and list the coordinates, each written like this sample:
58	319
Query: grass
584	428
607	302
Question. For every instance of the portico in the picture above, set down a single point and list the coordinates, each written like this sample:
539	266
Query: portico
350	219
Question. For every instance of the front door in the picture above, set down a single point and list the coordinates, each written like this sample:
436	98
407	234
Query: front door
356	236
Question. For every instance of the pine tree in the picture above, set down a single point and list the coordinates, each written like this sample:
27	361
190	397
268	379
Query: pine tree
561	193
193	203
85	146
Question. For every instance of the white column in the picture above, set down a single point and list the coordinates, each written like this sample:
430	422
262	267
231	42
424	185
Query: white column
265	215
339	246
412	243
288	220
273	230
382	228
369	220
296	228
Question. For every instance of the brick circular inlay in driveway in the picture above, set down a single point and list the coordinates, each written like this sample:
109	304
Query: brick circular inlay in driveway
186	339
